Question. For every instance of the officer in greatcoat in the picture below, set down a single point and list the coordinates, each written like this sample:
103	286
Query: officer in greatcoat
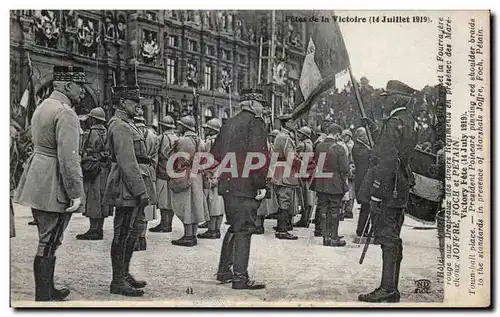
166	143
215	202
188	199
241	135
152	154
387	184
52	183
130	188
283	178
330	186
95	149
305	148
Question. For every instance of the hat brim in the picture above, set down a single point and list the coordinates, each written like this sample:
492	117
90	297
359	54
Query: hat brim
388	92
186	126
97	118
303	133
168	125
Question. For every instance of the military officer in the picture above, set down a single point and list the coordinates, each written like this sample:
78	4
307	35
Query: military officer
331	189
285	185
130	188
386	186
241	134
52	184
215	202
305	146
166	142
152	154
95	149
188	200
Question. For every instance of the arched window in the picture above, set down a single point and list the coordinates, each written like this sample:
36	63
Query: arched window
225	114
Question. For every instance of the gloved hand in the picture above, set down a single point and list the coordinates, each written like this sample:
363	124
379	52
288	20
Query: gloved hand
74	204
261	193
143	200
375	207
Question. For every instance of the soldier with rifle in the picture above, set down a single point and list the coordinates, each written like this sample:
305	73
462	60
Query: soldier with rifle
386	187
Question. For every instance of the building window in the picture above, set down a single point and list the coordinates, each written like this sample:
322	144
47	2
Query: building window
192	46
208	79
243	59
241	81
171	70
226	55
173	41
193	72
210	50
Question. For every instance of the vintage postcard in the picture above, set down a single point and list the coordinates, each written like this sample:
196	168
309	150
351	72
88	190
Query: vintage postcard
236	158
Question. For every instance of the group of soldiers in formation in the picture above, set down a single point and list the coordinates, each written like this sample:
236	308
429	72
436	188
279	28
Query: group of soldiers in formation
120	166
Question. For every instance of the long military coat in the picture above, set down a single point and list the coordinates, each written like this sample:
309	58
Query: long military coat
95	145
53	175
190	205
127	179
215	202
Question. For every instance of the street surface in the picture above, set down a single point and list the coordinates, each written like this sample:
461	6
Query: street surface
301	272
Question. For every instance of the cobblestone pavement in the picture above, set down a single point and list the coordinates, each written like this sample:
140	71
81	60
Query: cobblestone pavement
301	272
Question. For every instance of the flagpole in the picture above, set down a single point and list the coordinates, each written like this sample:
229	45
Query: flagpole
230	106
260	63
360	103
271	67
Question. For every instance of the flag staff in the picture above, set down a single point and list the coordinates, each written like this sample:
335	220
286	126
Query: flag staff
360	102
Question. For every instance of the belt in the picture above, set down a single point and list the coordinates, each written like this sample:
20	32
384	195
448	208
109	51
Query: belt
140	160
45	151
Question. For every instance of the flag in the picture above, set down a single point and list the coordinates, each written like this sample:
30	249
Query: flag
25	98
326	58
28	101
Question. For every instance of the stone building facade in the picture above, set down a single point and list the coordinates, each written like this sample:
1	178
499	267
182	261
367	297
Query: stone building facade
159	50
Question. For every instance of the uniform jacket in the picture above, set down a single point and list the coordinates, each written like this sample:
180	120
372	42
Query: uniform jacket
284	146
165	143
395	144
210	179
361	158
152	146
335	162
241	134
95	146
53	175
127	180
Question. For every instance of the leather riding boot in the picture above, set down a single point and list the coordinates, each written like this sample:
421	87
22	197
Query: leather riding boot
92	233
119	285
43	268
399	259
348	209
165	224
333	239
209	234
129	251
242	281
224	273
380	295
317	224
304	218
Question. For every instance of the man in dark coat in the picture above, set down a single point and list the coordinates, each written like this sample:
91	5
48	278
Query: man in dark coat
330	184
241	135
386	187
52	184
361	157
129	188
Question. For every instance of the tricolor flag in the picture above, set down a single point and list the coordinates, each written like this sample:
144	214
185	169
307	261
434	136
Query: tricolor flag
325	64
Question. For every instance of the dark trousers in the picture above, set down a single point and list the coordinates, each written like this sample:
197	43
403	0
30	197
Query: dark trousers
128	225
51	226
363	217
329	203
241	213
387	233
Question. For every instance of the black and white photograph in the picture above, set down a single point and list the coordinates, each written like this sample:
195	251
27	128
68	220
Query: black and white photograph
249	158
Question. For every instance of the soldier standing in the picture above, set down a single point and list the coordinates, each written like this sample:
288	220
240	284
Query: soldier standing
166	142
130	188
52	184
285	185
349	203
188	200
240	135
331	189
361	157
215	202
305	146
152	154
96	154
386	187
